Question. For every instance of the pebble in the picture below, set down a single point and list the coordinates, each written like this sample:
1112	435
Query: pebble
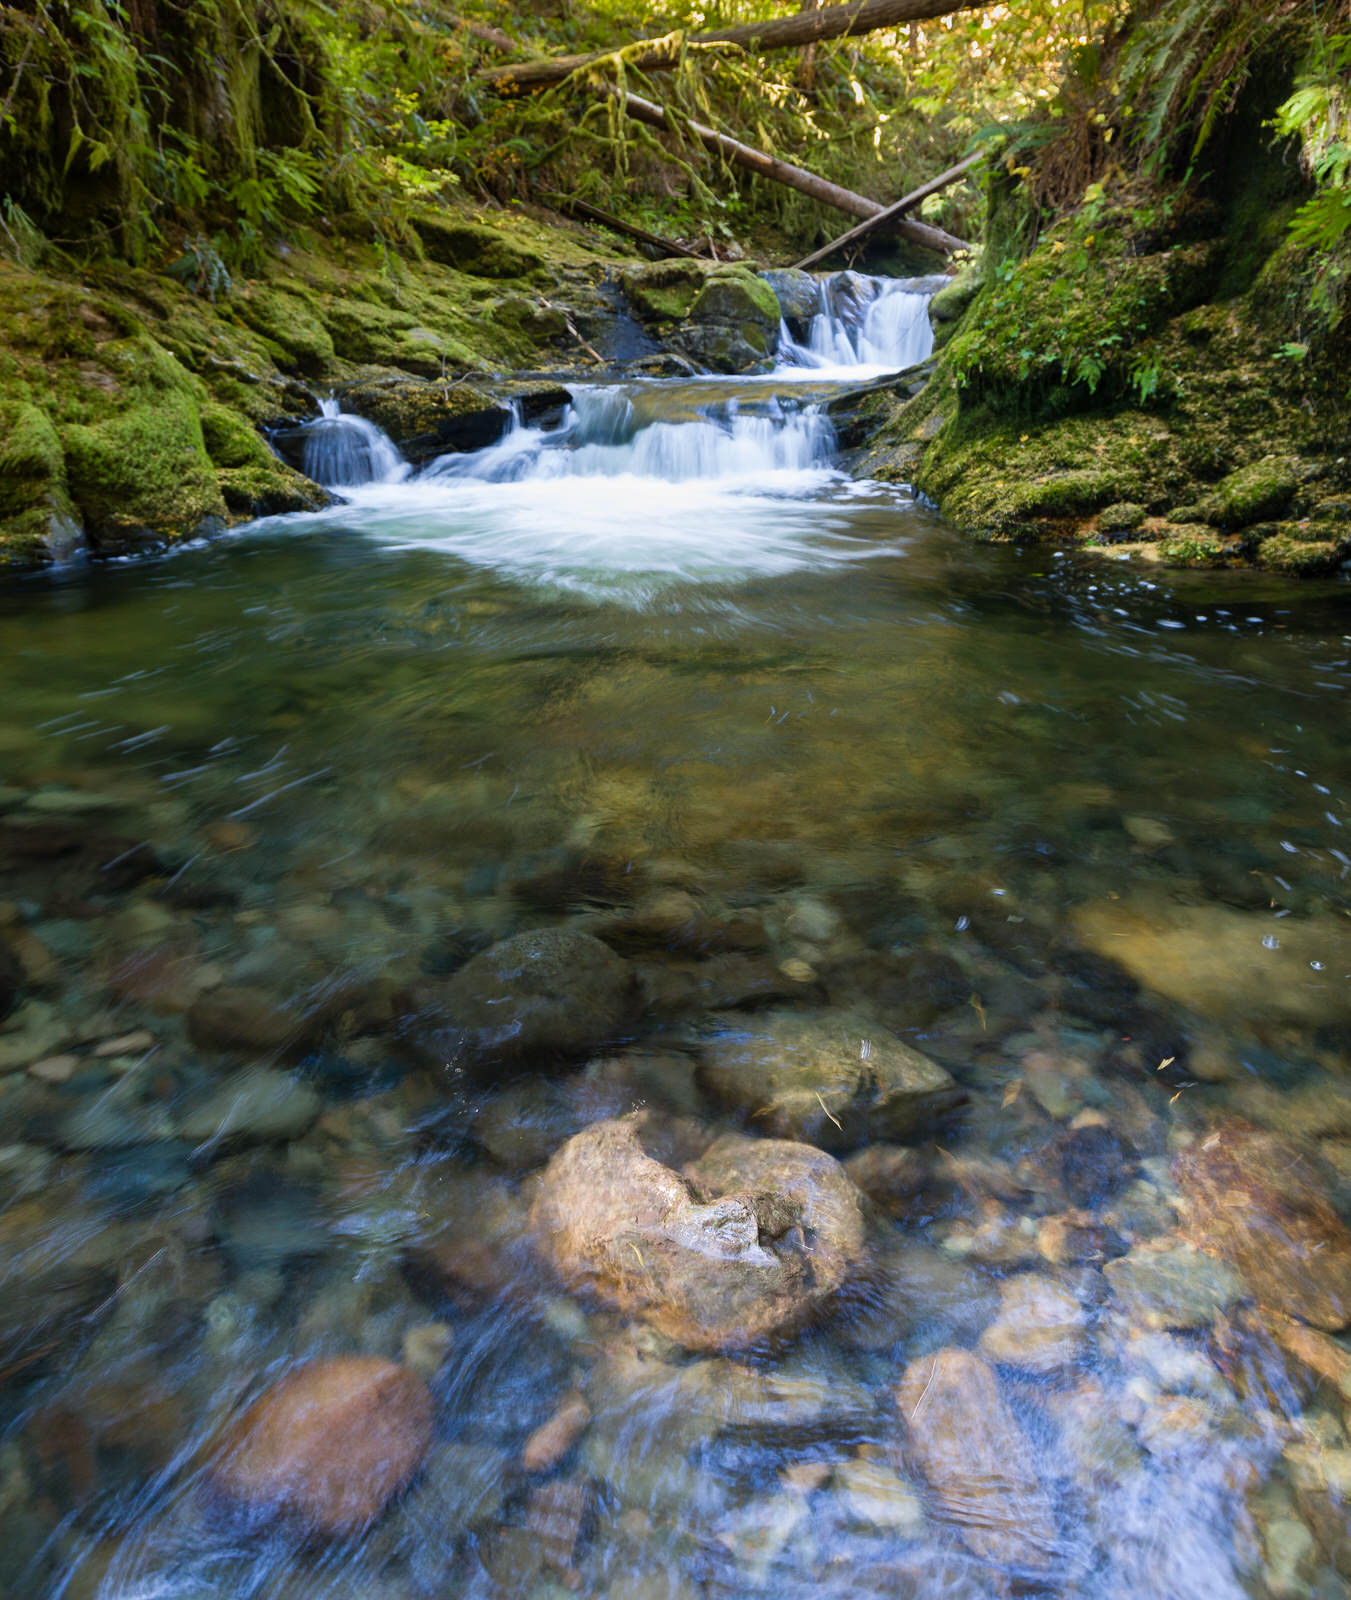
426	1347
55	1069
553	1440
129	1044
1040	1327
875	1499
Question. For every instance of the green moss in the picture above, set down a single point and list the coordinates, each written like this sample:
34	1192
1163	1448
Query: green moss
1302	557
1254	493
37	519
1069	327
1193	546
252	481
664	291
287	323
30	449
142	471
471	248
736	294
364	332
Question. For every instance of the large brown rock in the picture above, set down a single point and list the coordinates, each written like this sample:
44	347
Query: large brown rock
826	1079
328	1445
969	1446
743	1246
1253	1199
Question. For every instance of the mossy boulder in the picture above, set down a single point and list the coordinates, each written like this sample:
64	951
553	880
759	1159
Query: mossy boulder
1302	558
950	305
733	323
1194	545
472	248
38	522
289	325
951	301
1125	516
253	481
141	472
663	291
1255	493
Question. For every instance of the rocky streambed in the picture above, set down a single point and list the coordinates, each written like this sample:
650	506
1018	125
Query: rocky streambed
676	1089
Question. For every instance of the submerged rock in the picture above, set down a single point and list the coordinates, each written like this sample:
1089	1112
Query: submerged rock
257	1104
1175	1287
1202	956
242	1018
980	1463
1253	1199
549	994
746	1245
328	1445
826	1079
1040	1327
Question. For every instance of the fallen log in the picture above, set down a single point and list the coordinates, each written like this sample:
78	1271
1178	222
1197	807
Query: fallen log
809	183
892	212
588	212
806	27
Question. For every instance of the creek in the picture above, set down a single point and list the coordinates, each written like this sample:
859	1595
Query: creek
810	766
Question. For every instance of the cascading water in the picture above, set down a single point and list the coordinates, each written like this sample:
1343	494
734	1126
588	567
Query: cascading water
343	451
865	322
609	432
646	482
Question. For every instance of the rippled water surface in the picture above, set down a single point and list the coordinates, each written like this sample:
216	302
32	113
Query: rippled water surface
792	750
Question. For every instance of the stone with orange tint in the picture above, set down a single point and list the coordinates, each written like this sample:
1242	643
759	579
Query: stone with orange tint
329	1444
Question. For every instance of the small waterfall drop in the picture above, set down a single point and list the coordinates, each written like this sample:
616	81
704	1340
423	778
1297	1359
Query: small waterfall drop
879	323
606	433
343	451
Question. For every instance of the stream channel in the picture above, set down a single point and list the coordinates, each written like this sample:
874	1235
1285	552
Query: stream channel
1010	877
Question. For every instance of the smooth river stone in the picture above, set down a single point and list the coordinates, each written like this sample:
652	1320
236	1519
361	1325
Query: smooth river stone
1253	1199
257	1104
1175	1287
328	1445
550	993
979	1462
1204	956
826	1079
1040	1326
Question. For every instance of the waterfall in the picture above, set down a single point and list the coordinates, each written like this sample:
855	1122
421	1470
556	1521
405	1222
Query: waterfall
343	451
604	434
864	322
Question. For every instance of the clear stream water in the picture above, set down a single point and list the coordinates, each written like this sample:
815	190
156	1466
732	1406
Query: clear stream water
1055	821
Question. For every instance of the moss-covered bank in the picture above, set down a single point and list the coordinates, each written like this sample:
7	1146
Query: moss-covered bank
132	409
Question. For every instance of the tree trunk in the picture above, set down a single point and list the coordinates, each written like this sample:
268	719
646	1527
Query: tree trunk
744	155
893	212
828	22
806	72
